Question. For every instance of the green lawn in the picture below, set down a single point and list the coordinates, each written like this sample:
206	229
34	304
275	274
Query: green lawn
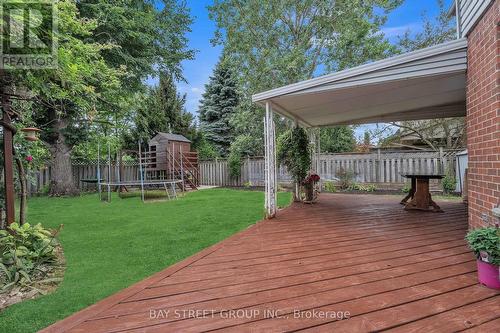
110	246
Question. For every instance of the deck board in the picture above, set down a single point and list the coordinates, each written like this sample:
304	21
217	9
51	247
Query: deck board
390	269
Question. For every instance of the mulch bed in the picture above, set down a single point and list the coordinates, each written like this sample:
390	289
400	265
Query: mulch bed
46	283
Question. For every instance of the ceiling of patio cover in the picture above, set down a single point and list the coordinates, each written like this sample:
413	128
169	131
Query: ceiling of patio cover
424	84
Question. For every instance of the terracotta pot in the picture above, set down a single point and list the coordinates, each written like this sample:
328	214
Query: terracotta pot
488	274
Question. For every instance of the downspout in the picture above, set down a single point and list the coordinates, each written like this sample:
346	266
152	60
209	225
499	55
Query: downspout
457	16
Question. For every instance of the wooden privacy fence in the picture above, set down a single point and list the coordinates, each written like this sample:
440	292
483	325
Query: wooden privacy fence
376	167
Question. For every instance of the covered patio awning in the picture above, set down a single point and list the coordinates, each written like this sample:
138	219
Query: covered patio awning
424	84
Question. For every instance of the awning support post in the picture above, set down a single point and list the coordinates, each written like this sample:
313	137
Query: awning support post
270	163
314	139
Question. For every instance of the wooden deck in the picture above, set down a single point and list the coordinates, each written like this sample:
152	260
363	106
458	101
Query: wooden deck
390	269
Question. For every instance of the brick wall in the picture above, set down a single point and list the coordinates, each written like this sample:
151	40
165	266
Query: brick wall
483	117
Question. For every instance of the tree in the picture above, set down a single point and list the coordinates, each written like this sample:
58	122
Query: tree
150	35
217	107
66	98
444	132
436	30
274	43
337	139
163	110
106	50
151	40
366	138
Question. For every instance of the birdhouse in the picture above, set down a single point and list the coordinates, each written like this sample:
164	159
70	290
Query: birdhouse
31	133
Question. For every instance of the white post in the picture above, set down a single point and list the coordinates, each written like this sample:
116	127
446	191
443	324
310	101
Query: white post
318	156
109	172
182	168
141	172
270	163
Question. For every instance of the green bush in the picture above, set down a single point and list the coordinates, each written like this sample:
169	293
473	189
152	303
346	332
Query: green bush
294	152
485	240
243	145
346	178
362	187
206	150
234	164
330	187
449	183
23	251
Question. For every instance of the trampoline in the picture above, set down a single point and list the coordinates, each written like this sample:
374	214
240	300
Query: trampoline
145	180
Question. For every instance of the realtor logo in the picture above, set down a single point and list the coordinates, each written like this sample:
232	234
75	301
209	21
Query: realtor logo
28	34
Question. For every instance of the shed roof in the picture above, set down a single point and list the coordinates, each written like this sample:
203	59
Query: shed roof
171	137
424	84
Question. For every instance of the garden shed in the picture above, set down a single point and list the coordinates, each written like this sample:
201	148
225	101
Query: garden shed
172	154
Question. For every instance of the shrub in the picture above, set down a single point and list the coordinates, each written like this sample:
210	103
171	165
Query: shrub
330	187
346	178
234	164
293	151
23	251
243	145
206	150
362	187
449	183
486	241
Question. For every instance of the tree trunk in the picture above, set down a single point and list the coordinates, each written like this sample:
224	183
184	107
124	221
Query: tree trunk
296	193
61	177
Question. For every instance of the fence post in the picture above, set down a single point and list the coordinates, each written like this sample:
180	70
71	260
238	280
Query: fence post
380	169
217	176
441	159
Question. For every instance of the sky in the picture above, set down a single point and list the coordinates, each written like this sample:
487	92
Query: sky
198	71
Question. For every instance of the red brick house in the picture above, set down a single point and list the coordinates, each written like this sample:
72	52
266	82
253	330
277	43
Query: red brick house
479	22
453	79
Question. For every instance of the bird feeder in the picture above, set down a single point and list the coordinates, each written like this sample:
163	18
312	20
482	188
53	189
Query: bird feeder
31	133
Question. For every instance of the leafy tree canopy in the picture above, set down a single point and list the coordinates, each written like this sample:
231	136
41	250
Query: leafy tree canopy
337	139
274	43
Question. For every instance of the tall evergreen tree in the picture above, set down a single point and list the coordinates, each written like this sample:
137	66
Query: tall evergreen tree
163	110
218	106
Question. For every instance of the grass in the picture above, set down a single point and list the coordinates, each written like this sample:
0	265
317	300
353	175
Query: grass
109	246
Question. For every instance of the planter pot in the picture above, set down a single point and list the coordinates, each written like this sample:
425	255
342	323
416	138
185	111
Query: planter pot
309	192
488	274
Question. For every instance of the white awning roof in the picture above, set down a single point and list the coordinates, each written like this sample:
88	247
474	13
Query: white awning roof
424	84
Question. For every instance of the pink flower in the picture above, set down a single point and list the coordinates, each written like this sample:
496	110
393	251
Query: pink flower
29	158
312	178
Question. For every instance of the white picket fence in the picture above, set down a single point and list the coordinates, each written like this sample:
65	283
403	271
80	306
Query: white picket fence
377	167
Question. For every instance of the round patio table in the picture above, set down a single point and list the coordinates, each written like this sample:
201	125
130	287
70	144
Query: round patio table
419	196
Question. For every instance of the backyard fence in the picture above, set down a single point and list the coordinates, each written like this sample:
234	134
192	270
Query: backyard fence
379	167
39	180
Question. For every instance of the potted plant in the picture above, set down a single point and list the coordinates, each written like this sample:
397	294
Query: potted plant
309	187
485	242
